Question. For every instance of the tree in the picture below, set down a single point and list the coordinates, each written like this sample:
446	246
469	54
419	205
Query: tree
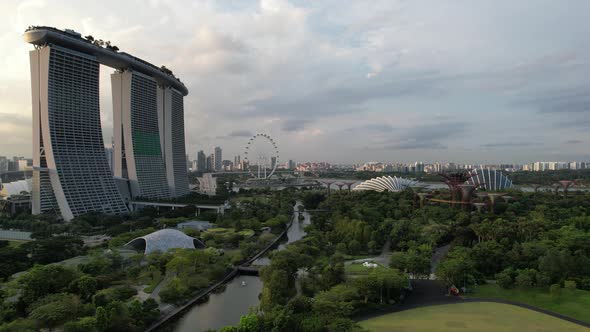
354	247
85	286
555	291
84	324
56	312
249	323
489	257
456	270
525	278
19	325
42	280
102	319
338	301
504	279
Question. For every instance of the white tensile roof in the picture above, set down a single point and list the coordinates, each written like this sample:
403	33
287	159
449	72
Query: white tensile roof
15	188
164	240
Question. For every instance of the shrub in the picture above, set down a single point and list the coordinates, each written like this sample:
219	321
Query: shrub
542	279
555	291
569	284
525	278
504	279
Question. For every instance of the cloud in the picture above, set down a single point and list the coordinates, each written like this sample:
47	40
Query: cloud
398	74
574	141
236	133
571	100
424	137
294	124
511	144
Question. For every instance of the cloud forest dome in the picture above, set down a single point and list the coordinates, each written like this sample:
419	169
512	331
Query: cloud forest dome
489	179
386	183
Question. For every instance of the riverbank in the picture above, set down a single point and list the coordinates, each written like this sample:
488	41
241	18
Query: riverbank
185	317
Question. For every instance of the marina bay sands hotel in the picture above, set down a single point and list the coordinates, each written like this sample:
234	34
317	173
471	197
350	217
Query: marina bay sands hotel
71	175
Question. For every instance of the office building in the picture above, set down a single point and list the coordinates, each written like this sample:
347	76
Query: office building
217	166
201	161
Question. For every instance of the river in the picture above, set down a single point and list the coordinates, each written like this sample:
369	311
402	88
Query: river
240	294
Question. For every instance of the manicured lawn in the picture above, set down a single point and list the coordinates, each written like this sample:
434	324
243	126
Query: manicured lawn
220	230
481	317
359	269
572	303
16	243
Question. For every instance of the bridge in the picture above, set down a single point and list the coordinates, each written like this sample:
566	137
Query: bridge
220	209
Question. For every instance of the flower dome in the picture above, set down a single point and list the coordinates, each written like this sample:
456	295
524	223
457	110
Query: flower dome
386	183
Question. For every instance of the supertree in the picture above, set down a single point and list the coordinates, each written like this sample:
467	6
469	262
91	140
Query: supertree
566	184
454	180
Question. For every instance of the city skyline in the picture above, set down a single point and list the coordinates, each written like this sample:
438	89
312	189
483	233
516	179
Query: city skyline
380	81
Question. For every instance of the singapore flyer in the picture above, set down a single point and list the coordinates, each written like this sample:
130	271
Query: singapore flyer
262	156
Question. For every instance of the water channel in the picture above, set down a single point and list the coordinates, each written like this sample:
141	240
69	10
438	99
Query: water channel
240	294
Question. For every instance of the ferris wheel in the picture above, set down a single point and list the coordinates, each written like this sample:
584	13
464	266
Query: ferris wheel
262	156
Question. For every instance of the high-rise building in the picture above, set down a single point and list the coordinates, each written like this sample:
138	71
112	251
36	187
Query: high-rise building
3	164
237	162
217	159
171	123
71	174
209	167
201	161
418	167
273	162
137	134
291	165
109	152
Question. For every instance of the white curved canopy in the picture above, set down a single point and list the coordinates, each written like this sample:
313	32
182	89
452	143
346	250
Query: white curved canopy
16	187
489	179
386	183
164	240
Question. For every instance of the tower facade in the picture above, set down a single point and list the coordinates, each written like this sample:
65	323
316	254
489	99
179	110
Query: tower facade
71	173
171	123
138	144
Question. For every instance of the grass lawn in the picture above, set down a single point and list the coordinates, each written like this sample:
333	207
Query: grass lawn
16	243
220	230
481	317
572	303
359	269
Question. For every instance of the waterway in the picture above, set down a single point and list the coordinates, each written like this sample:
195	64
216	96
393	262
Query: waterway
240	294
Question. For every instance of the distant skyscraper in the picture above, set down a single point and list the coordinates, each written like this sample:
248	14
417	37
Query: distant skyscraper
273	162
291	164
237	162
217	159
201	161
210	163
419	167
3	164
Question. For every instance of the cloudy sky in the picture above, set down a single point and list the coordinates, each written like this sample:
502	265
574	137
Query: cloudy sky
341	81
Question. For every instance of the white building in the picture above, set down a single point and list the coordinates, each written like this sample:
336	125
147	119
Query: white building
208	184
